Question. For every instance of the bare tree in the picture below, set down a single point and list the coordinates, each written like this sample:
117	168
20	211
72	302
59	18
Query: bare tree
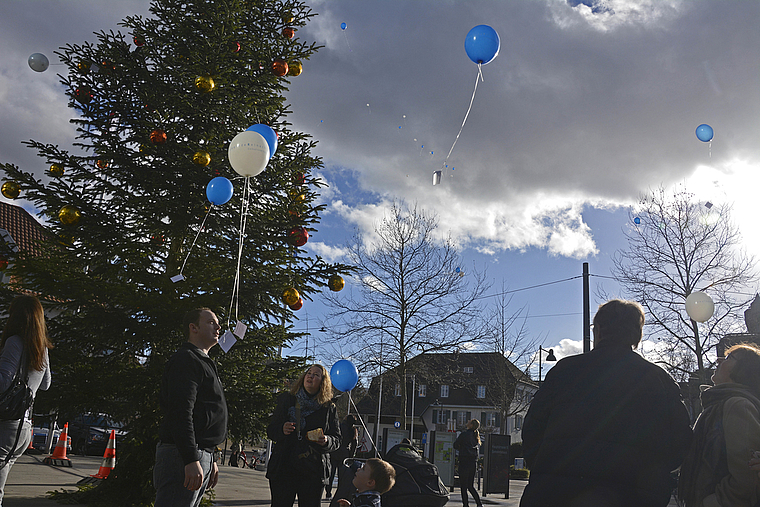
411	295
675	247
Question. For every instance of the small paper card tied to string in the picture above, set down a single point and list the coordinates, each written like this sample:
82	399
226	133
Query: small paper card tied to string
240	330
227	341
178	278
437	178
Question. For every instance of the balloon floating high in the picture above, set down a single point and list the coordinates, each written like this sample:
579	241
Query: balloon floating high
10	189
38	62
343	26
344	375
482	44
699	306
637	220
269	135
248	153
705	133
336	283
219	190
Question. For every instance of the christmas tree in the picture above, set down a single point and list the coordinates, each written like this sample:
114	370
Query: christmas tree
126	210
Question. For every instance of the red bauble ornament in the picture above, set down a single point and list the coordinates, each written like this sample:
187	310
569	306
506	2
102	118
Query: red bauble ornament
4	264
84	95
158	136
101	163
298	304
298	236
289	32
279	68
235	46
138	41
299	178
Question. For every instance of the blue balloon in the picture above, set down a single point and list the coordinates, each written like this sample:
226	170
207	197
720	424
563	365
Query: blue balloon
705	133
637	220
219	190
343	26
482	44
268	134
344	375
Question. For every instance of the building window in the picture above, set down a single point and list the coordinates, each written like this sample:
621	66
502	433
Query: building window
491	419
481	391
397	390
422	390
441	416
467	369
444	391
518	422
463	418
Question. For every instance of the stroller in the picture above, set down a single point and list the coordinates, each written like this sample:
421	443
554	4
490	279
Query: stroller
417	481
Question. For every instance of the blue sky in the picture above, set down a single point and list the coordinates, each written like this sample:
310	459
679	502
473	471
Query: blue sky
587	105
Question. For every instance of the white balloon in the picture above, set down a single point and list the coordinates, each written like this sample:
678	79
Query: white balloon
699	306
38	62
248	153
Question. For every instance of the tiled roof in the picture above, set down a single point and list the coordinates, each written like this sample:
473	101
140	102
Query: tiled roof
25	230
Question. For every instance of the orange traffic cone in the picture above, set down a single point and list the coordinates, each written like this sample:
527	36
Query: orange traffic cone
109	458
58	458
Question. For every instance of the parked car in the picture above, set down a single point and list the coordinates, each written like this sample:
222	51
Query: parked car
40	430
90	433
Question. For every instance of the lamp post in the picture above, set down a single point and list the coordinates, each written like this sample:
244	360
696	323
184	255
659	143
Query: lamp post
549	357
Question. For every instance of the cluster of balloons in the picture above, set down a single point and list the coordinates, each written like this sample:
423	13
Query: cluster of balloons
344	375
249	151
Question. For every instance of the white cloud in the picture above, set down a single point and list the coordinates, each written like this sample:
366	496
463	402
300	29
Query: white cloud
327	252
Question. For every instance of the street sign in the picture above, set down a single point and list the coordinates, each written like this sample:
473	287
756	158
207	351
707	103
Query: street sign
424	438
396	424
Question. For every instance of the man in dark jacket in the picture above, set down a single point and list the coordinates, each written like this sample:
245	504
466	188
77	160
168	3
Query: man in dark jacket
195	417
607	427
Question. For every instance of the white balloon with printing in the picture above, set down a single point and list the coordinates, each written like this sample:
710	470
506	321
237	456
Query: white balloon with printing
699	306
248	153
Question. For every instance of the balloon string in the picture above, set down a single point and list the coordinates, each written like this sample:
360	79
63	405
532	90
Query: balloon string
366	431
472	99
208	212
347	44
234	301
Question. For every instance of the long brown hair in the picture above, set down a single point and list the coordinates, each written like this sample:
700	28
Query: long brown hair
474	424
324	396
27	320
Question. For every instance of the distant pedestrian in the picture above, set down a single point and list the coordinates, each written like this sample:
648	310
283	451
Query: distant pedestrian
468	445
347	449
304	428
716	472
234	454
25	347
606	428
195	417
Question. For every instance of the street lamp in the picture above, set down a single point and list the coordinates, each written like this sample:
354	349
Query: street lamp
549	357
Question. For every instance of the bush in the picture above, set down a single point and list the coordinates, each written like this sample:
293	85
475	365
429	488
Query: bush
520	473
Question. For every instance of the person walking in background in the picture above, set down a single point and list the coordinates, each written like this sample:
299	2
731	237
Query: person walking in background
25	345
304	428
347	449
195	416
716	471
606	428
468	445
234	454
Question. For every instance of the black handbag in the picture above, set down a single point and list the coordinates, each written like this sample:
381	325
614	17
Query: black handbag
17	399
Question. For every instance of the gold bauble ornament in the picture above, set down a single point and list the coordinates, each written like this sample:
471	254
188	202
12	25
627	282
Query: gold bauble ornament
10	189
290	296
287	17
336	283
56	170
84	67
202	158
205	83
69	215
295	69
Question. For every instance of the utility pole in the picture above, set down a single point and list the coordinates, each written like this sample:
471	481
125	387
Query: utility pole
586	312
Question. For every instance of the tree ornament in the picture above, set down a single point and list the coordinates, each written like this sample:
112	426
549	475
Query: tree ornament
69	215
84	67
299	178
298	304
279	67
102	163
158	136
298	236
295	69
108	65
10	189
235	46
56	170
288	32
336	283
38	62
3	263
287	17
205	83
83	94
139	41
202	158
290	296
296	195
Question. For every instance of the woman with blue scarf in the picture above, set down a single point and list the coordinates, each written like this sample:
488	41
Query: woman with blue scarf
305	429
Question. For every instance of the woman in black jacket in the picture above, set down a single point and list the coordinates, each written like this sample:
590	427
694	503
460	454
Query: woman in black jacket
304	428
467	444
